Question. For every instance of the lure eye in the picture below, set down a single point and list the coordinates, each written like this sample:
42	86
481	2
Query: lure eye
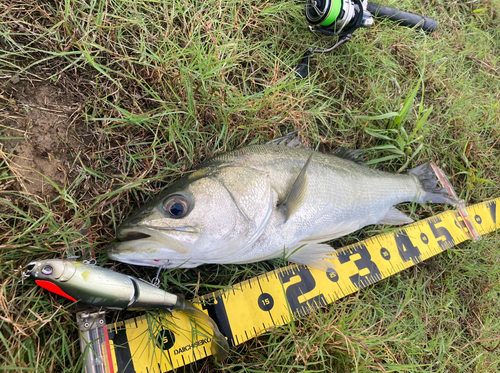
177	207
47	270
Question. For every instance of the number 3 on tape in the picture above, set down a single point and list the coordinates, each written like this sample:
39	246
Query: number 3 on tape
368	271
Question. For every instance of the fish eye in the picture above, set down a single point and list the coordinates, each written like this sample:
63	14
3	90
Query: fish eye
47	270
176	206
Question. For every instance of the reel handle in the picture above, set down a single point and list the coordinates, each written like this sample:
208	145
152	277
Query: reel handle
403	18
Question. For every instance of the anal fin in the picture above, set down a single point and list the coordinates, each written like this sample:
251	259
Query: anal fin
395	217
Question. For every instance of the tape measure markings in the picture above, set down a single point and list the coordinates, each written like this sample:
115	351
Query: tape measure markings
216	309
121	354
493	208
265	300
254	306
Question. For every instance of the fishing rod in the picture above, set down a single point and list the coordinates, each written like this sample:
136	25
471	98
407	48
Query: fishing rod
340	18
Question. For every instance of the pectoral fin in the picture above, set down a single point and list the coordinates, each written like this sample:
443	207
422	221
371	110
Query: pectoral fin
314	255
296	195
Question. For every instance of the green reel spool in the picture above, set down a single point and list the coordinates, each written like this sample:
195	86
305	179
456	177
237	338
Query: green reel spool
335	17
323	12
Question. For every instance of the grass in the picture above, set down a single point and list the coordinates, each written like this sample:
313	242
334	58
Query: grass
155	87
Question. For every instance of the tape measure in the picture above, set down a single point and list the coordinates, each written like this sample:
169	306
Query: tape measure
145	344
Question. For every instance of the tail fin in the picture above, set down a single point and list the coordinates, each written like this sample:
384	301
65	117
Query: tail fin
429	182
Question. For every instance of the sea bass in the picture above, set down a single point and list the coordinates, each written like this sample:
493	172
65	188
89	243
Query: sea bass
268	201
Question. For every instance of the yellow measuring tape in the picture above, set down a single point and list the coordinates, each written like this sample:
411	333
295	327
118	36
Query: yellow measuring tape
254	306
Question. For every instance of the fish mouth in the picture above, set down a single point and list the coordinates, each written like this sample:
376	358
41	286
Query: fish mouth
132	236
143	231
152	246
154	256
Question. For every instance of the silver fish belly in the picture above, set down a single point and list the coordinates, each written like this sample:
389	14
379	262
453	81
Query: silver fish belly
268	201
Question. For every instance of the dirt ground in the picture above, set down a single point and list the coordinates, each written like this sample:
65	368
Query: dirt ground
39	127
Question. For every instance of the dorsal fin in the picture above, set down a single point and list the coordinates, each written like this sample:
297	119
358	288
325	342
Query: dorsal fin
290	139
297	192
349	154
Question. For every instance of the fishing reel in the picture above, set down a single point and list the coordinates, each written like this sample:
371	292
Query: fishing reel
337	17
340	18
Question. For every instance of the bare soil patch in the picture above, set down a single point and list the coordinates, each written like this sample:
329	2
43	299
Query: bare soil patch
39	130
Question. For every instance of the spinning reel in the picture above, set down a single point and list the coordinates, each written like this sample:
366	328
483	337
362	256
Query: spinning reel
341	18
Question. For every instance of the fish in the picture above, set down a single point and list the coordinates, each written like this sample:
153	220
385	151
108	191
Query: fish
269	201
103	288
